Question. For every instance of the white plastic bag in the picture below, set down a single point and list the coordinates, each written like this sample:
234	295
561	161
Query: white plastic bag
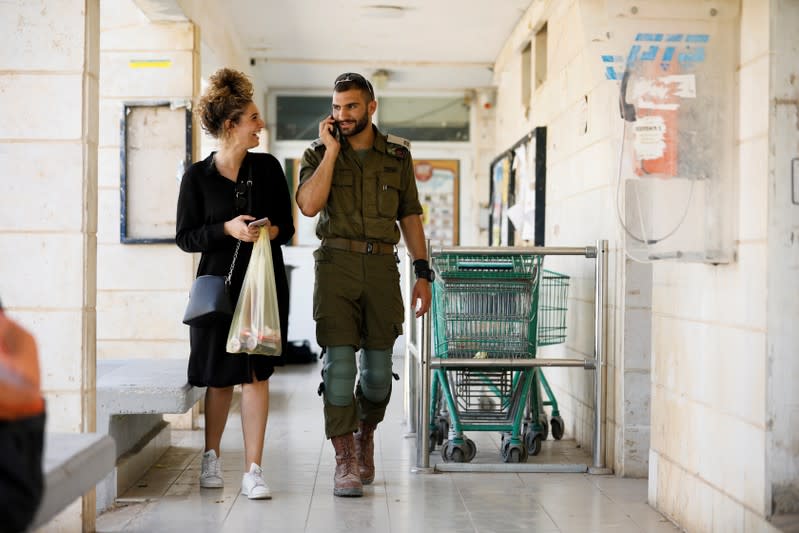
256	323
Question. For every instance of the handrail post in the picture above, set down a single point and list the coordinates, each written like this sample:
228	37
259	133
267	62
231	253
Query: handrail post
600	343
409	398
422	431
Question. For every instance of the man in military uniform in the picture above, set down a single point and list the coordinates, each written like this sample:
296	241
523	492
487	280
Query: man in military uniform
361	183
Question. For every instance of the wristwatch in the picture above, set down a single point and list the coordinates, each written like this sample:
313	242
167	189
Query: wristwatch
428	274
422	269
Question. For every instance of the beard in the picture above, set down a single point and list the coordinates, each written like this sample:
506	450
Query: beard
359	126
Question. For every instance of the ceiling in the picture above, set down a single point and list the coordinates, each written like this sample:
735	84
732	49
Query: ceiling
422	45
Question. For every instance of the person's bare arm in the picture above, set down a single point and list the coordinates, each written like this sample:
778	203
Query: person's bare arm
413	233
312	194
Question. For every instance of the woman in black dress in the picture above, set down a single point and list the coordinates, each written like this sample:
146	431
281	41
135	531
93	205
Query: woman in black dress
218	197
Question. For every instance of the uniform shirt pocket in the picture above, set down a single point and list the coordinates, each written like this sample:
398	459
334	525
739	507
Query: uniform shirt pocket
388	192
342	193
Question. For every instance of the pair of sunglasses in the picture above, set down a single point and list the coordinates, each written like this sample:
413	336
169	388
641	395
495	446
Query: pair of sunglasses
242	194
243	187
353	78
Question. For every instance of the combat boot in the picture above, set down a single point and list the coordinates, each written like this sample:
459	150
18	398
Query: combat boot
346	482
365	451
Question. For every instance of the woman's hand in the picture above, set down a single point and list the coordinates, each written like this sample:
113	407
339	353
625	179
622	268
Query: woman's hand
271	230
238	228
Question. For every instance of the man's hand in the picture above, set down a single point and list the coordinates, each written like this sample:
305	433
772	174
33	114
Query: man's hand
422	295
326	128
312	193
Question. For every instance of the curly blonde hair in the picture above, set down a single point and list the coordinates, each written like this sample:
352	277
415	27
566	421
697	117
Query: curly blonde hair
228	93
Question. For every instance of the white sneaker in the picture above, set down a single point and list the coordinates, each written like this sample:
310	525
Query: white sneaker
253	485
211	475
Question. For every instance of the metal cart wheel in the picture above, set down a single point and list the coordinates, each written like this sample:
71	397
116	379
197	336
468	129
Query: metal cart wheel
471	449
453	453
443	429
557	427
435	438
513	453
532	440
529	427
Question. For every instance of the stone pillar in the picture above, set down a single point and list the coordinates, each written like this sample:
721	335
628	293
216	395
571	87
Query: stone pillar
782	365
48	220
633	430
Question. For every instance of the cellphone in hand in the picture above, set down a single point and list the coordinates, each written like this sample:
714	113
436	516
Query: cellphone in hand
259	222
335	131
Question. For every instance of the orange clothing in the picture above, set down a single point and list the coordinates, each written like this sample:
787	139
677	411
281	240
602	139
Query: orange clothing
20	393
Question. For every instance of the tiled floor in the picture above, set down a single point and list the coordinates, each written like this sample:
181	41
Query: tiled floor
299	463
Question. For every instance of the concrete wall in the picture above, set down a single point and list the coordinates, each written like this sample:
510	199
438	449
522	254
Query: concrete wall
142	288
708	457
717	351
48	207
577	107
709	466
475	189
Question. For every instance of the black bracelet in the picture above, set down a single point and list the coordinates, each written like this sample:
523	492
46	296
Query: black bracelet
421	265
422	268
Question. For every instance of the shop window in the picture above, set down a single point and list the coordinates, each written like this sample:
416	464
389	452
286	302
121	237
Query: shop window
527	75
541	56
298	117
425	118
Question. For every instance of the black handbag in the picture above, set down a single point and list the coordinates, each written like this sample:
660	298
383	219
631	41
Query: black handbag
209	299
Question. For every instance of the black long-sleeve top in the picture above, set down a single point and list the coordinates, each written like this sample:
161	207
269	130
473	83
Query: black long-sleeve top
207	200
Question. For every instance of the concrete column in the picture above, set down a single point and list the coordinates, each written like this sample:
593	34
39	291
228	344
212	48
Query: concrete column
483	117
48	220
633	431
782	365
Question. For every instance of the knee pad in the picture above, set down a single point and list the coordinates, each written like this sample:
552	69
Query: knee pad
376	374
339	375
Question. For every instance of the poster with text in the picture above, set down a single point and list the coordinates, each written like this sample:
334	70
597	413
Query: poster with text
437	183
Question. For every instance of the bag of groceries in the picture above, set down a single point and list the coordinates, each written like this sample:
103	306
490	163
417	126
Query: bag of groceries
256	323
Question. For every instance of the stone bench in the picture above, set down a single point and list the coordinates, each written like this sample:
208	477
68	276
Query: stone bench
132	396
73	464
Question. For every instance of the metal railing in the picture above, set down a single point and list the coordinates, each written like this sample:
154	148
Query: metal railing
419	361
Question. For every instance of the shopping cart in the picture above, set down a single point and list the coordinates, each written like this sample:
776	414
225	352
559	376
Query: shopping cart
553	296
484	307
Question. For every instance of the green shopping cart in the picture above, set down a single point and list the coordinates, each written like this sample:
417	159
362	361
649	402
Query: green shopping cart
493	307
553	296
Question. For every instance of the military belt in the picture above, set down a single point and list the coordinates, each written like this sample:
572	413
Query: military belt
361	247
